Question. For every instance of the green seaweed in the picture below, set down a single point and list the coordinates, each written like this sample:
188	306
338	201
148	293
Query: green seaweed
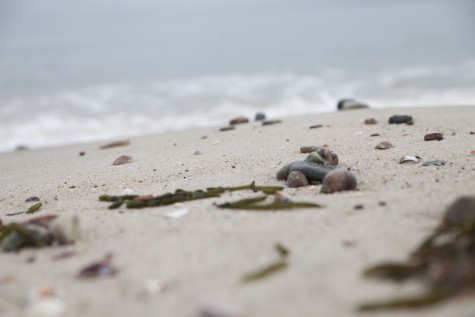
444	262
133	201
271	268
34	208
251	204
29	239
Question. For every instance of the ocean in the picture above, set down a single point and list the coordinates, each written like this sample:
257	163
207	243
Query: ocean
101	70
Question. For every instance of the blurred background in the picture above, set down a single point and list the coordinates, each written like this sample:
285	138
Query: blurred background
97	69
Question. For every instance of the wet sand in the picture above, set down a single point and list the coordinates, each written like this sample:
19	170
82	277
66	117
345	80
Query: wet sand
174	267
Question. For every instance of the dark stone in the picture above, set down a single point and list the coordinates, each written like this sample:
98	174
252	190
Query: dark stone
270	122
433	136
398	119
338	180
82	153
32	199
375	134
260	116
316	126
313	171
297	179
358	207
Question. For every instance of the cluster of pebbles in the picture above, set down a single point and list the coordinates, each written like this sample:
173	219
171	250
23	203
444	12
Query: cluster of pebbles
319	167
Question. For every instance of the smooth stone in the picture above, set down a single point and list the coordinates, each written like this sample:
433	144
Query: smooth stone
398	119
316	126
238	120
433	137
338	180
65	228
297	179
384	145
371	121
434	162
462	211
227	128
313	171
308	149
315	157
328	155
350	104
260	116
283	172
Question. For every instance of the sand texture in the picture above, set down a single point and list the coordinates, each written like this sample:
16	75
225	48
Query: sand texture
175	267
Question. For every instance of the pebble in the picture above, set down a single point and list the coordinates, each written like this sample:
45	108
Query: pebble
375	134
328	155
461	211
316	126
315	157
227	128
398	119
338	180
409	159
433	136
371	121
384	145
313	171
350	104
123	159
32	199
215	310
472	152
270	122
238	120
82	153
260	116
197	153
65	228
434	163
296	179
308	149
283	172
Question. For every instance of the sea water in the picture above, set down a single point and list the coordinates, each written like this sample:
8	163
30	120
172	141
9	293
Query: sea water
101	69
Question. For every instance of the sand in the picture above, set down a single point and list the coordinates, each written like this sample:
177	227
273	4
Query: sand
175	267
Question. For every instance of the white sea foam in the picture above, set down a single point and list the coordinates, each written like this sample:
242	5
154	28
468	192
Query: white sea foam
126	110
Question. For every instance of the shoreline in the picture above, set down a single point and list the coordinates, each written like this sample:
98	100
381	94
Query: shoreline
200	257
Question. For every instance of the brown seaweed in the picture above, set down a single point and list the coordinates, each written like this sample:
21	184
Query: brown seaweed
444	262
34	208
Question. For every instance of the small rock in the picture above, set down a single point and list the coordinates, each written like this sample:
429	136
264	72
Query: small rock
371	121
375	134
214	310
350	104
32	199
338	180
434	163
433	136
197	153
315	157
472	133
227	128
296	179
260	116
316	126
238	120
384	145
328	155
123	159
283	172
409	159
358	207
308	149
270	122
472	152
313	171
65	228
398	119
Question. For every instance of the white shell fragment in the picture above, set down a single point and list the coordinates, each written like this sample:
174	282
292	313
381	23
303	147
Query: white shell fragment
65	228
410	159
47	307
177	213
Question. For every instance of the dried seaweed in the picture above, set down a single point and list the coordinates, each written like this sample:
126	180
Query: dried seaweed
271	268
180	195
34	208
444	262
27	237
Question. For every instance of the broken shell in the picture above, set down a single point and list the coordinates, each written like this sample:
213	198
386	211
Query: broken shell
384	145
123	159
434	162
433	136
328	155
65	228
297	179
308	149
98	269
338	180
115	144
409	159
371	121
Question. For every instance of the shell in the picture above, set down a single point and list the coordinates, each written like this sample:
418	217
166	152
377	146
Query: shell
297	179
409	159
338	180
123	159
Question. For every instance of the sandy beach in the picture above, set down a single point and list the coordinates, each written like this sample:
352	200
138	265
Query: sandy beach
180	267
